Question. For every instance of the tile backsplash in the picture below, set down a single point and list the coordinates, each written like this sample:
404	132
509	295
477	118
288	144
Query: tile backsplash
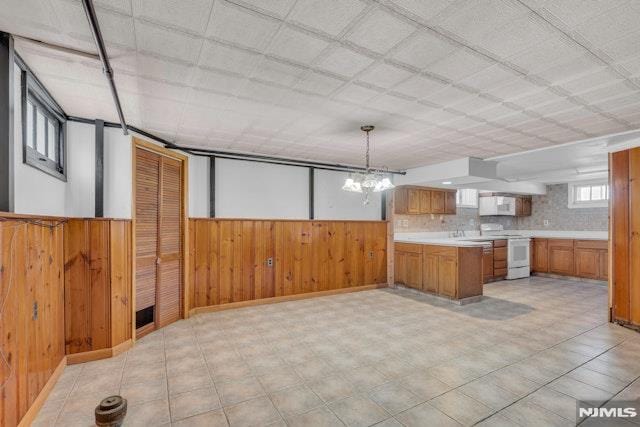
552	207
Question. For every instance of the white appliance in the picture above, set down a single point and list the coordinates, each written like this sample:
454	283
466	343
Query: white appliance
497	205
517	250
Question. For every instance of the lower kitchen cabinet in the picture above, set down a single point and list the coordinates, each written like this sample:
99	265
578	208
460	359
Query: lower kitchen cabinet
454	272
567	257
487	263
561	257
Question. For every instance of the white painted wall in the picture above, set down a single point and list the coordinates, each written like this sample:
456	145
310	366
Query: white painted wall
81	170
331	202
117	174
198	186
260	190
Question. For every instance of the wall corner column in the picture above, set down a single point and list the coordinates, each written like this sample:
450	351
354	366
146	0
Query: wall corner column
7	101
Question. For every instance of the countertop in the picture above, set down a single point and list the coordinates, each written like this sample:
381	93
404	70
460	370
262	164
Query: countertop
471	239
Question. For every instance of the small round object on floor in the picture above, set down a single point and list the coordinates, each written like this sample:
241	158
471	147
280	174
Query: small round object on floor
111	411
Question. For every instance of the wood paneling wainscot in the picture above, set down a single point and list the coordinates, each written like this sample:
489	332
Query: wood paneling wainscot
237	260
97	254
32	314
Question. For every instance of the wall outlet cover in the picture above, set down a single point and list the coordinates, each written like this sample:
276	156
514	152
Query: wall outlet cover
546	222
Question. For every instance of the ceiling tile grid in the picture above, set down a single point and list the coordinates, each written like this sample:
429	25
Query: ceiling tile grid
507	74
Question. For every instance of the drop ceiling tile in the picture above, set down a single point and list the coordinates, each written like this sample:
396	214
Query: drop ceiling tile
297	46
156	68
279	8
262	92
424	9
319	83
221	82
471	104
570	69
584	83
192	15
556	48
448	96
216	55
379	31
553	107
116	28
344	62
435	116
277	72
384	75
575	12
533	99
518	35
606	28
621	49
423	49
513	89
393	104
142	86
242	26
613	90
328	16
475	20
460	64
356	93
419	87
154	39
489	78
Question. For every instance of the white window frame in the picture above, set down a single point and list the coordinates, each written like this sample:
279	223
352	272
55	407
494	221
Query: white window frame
573	189
462	205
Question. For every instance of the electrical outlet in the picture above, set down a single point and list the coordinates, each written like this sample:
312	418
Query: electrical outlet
546	222
35	310
269	262
370	254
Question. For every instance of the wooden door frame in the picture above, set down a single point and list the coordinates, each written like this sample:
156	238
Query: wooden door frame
143	144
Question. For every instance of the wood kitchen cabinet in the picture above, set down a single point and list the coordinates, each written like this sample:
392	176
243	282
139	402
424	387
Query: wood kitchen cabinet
540	256
408	265
523	206
487	264
561	257
566	257
430	273
499	259
410	200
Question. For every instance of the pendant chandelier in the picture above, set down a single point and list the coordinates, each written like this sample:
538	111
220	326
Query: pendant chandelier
369	181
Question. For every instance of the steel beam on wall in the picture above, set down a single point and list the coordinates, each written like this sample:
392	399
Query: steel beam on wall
212	186
99	181
6	123
312	189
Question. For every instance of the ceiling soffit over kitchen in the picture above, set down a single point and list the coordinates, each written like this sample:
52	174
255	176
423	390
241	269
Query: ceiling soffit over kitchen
440	79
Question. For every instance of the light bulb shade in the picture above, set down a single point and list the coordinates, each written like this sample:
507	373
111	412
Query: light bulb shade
351	185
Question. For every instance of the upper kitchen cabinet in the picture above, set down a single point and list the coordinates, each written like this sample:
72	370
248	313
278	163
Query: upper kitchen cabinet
523	206
411	200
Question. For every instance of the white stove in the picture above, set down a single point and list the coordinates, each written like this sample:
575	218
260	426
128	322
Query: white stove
517	250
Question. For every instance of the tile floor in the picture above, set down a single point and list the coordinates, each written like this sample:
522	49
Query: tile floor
388	357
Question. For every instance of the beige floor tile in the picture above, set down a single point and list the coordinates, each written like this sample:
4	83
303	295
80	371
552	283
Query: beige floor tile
596	379
496	420
314	369
487	392
193	403
230	371
255	412
365	378
236	391
137	393
208	419
144	373
320	417
389	422
279	378
394	398
358	411
295	400
424	386
425	415
332	388
154	413
461	407
528	414
554	401
189	381
579	390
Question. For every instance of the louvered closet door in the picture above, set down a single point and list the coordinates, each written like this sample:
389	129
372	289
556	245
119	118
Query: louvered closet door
147	218
170	247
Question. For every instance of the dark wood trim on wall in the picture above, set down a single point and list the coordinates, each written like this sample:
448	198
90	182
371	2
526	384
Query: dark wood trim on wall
6	123
312	185
212	186
99	182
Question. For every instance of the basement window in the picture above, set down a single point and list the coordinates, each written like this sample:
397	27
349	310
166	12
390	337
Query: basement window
467	198
43	136
588	195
